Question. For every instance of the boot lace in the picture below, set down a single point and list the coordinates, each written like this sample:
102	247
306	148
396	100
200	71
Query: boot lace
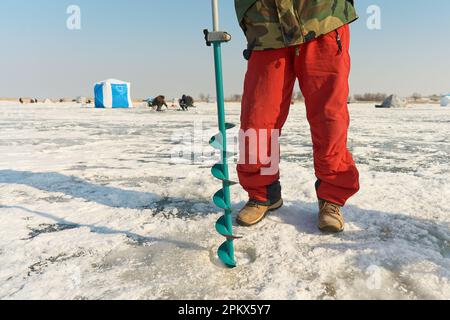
252	204
332	208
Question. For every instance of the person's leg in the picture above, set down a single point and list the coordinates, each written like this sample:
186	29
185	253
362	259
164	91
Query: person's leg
323	68
268	88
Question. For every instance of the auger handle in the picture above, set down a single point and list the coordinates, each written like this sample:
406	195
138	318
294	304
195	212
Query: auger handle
215	14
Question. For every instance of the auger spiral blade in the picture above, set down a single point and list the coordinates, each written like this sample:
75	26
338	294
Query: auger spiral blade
219	200
225	256
229	126
216	141
218	173
221	228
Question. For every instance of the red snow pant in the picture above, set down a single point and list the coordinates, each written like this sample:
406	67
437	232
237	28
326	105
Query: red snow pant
322	67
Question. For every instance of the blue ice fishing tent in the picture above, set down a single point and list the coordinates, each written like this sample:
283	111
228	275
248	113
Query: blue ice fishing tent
112	93
445	100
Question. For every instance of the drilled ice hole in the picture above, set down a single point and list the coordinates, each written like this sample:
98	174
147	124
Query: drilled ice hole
243	257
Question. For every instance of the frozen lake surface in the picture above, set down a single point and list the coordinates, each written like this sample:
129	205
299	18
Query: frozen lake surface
116	204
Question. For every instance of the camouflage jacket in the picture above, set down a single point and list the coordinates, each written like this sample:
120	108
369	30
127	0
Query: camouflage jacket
273	24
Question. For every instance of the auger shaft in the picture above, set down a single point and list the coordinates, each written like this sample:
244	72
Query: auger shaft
222	128
222	198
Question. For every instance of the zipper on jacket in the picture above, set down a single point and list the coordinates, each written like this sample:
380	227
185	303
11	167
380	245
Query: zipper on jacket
339	41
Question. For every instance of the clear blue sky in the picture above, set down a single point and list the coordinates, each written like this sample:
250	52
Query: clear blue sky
158	46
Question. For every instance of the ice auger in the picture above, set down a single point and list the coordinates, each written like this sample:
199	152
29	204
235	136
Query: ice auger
224	225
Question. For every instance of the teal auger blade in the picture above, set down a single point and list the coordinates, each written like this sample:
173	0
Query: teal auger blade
229	126
218	173
221	228
216	142
225	257
219	200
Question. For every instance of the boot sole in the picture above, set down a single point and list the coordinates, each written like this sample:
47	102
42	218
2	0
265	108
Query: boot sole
331	230
273	208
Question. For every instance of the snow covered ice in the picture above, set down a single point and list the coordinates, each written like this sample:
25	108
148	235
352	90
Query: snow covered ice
93	206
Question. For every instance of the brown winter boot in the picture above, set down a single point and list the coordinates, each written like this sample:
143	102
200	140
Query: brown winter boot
330	217
253	213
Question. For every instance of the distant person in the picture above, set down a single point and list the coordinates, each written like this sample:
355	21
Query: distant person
159	102
308	41
186	102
